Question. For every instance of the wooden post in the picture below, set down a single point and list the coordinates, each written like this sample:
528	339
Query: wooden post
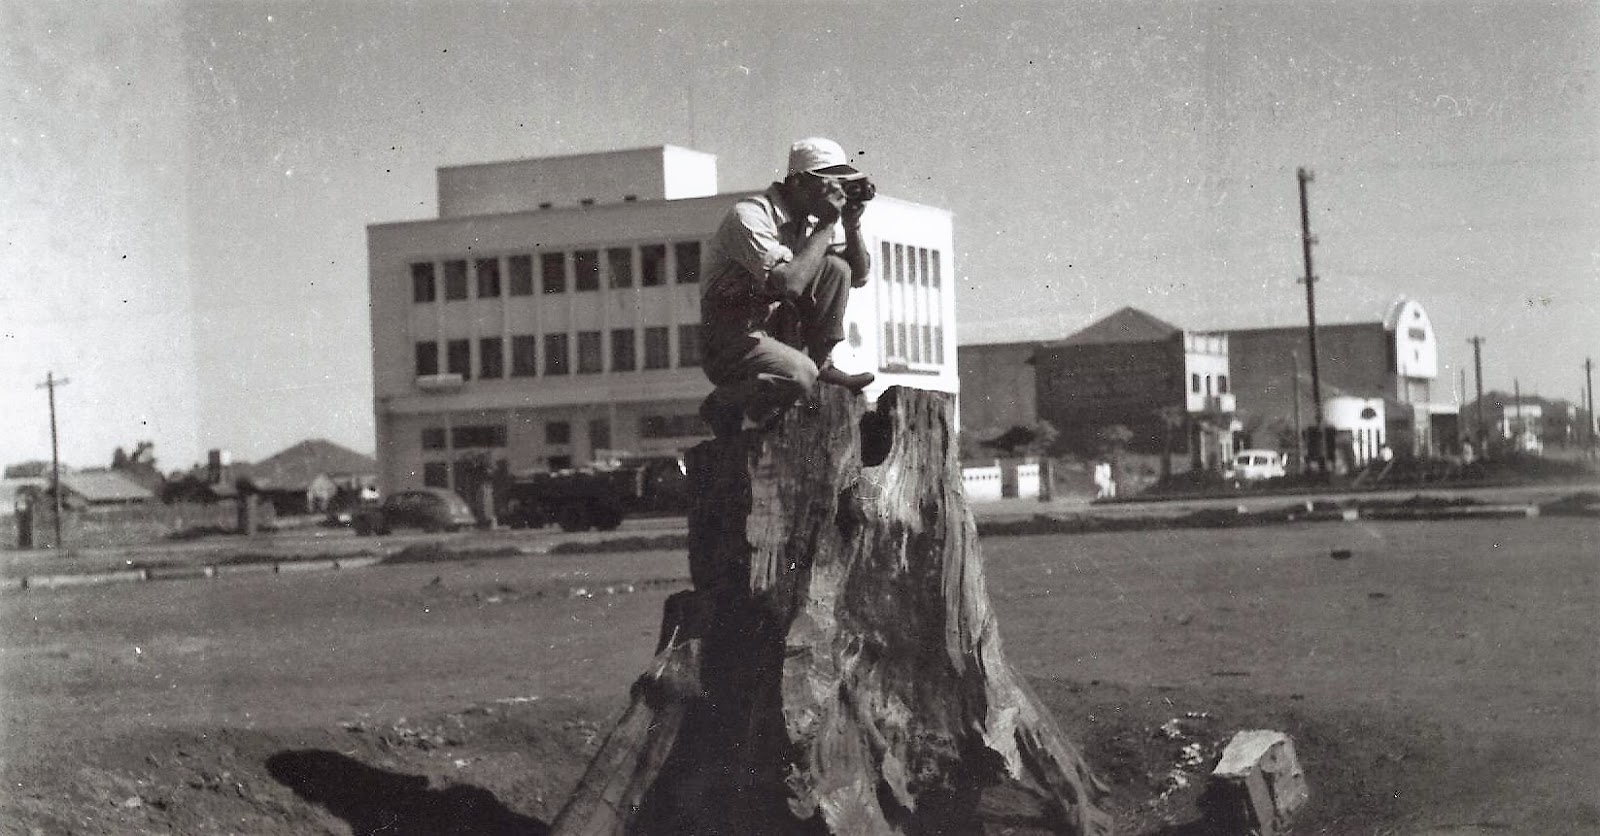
836	668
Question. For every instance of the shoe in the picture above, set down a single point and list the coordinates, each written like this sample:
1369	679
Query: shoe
854	382
723	417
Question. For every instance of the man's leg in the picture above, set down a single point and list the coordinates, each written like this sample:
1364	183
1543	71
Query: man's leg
821	303
756	379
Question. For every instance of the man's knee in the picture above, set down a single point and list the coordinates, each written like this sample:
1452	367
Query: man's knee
797	376
834	269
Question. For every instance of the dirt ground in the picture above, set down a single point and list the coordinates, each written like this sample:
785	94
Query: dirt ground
1442	678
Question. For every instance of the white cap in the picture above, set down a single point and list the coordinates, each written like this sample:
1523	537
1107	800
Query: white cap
816	155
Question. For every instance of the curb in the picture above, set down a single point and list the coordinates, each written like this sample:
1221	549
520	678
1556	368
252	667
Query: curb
289	567
86	579
179	573
286	567
227	569
1451	512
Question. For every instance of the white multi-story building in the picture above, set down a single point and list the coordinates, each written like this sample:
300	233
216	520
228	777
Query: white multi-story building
551	313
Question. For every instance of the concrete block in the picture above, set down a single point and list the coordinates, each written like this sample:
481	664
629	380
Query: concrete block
1257	786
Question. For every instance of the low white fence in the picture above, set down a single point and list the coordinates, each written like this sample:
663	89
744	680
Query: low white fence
1001	481
1027	481
982	484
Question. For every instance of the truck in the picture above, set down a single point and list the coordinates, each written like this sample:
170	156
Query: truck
596	496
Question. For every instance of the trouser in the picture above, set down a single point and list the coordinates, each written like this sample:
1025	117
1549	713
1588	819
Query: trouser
765	370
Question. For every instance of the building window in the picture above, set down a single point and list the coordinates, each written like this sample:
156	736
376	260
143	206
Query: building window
1208	385
488	278
619	262
455	280
557	432
521	269
553	270
688	257
555	354
652	265
491	358
938	344
688	345
478	436
1222	384
624	356
524	355
433	438
589	352
599	435
586	270
427	358
422	287
1194	382
436	474
656	350
923	273
887	263
936	278
458	358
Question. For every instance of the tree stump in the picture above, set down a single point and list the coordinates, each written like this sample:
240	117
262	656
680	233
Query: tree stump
836	668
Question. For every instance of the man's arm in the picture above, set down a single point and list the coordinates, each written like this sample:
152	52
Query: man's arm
790	277
855	251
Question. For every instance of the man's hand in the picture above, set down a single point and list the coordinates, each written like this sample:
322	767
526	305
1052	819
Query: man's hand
850	213
831	207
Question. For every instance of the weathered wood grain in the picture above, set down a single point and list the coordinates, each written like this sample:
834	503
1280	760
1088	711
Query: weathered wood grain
837	668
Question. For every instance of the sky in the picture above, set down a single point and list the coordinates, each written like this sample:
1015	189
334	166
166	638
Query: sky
185	186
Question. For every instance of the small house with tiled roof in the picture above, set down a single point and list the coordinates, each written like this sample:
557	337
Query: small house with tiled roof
99	488
306	477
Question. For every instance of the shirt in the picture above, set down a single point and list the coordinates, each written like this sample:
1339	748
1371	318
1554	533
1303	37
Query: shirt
757	235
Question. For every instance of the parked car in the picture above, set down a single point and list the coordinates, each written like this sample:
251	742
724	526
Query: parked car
430	509
1255	465
597	496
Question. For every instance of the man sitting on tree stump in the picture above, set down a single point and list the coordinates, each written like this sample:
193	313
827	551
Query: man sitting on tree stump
778	280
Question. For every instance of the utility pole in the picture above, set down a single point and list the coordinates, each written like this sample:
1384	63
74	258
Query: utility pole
1588	379
1319	443
1299	440
50	383
1516	397
1477	369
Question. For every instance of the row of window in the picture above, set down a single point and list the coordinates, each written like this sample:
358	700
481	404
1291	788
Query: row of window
914	343
526	351
582	270
556	433
910	275
906	264
1195	382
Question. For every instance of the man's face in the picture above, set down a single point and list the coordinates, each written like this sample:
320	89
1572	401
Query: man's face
819	193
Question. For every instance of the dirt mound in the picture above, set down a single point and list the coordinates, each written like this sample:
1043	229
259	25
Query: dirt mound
506	767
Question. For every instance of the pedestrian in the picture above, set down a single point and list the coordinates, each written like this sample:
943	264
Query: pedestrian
779	273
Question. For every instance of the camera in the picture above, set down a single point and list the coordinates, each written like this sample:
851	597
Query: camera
859	190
